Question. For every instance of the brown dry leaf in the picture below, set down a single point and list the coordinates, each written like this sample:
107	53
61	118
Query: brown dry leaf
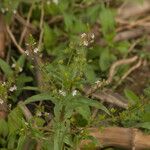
126	138
2	37
133	9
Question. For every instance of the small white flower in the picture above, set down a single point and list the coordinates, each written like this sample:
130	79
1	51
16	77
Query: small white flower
83	35
13	88
3	10
34	43
97	82
63	93
35	50
14	11
1	101
20	69
26	52
46	114
92	36
9	106
26	123
55	1
91	41
6	9
85	43
13	65
4	83
74	92
39	114
27	44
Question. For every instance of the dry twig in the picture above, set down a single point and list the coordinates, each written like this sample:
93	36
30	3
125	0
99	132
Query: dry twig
130	34
14	40
41	27
25	111
2	37
139	63
24	22
112	70
27	22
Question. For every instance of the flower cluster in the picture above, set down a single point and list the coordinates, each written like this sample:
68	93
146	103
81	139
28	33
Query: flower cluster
98	82
26	52
63	93
18	67
5	10
35	50
86	39
38	113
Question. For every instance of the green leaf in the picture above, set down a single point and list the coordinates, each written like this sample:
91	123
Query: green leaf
3	127
49	37
132	97
92	13
145	125
15	120
123	47
108	23
39	97
92	103
90	74
31	40
21	61
6	68
63	5
11	141
31	88
69	19
39	121
24	79
21	142
147	92
79	26
104	60
51	9
84	111
20	82
146	116
68	140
